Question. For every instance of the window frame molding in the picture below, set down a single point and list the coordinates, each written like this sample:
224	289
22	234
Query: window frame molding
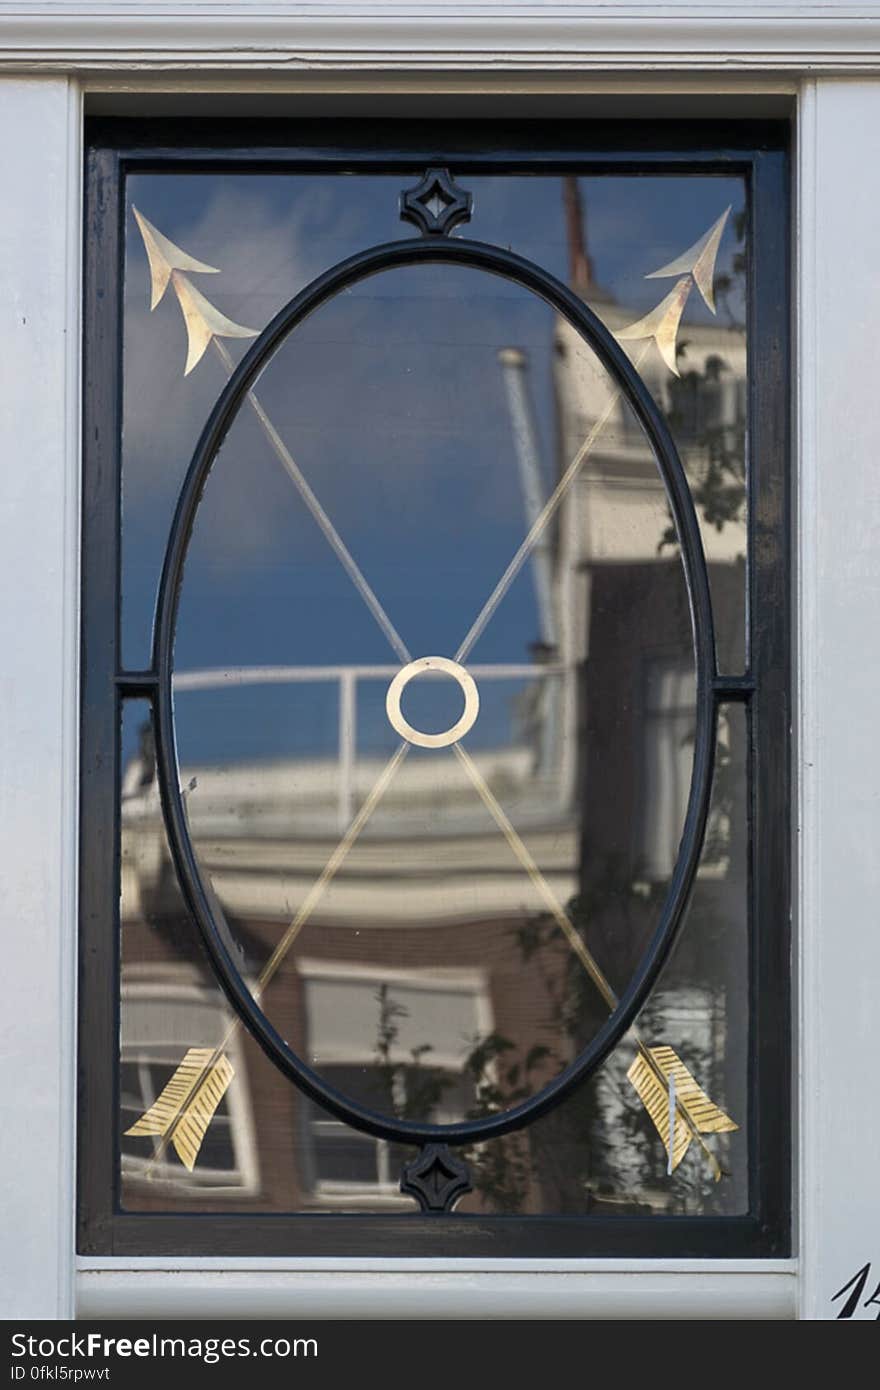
404	36
757	152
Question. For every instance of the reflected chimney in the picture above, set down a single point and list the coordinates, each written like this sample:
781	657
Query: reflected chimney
580	266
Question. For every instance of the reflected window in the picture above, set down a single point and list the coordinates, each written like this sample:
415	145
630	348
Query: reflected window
160	1015
423	1035
668	723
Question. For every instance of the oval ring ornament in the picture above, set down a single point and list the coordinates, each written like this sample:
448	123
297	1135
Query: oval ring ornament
462	726
506	264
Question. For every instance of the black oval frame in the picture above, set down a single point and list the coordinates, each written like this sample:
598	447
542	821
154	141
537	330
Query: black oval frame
508	265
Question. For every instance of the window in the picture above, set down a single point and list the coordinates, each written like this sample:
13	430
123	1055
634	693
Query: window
389	1039
437	794
161	1016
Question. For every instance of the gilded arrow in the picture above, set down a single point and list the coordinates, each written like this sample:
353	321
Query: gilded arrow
661	324
203	321
696	266
205	325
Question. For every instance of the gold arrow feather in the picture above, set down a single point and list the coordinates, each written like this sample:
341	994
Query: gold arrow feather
186	1106
203	321
691	1102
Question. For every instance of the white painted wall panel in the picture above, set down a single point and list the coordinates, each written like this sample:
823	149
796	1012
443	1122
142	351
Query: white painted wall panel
38	716
839	288
319	36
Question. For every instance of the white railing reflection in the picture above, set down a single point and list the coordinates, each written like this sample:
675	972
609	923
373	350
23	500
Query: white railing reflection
347	679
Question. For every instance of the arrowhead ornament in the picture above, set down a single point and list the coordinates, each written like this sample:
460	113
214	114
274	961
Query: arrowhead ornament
167	265
698	261
696	266
661	324
203	321
164	257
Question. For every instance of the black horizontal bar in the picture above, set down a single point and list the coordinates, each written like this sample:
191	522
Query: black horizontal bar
390	145
141	683
468	1234
734	687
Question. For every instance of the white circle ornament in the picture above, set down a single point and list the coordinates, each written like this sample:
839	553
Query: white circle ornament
444	666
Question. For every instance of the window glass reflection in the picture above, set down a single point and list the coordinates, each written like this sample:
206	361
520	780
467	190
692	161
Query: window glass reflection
422	422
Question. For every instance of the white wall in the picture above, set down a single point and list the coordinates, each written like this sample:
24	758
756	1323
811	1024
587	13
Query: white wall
39	238
839	681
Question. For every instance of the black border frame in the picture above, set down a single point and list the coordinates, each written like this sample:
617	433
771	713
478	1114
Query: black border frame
759	151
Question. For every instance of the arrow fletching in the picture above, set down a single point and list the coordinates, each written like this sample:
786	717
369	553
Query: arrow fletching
187	1104
691	1104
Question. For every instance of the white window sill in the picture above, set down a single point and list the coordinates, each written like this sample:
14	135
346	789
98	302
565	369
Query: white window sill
362	1288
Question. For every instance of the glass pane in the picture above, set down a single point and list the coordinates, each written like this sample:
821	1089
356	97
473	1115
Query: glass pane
697	315
599	1152
270	1149
361	513
269	235
263	1148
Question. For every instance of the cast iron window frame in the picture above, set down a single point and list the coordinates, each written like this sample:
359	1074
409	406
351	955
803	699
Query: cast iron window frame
759	153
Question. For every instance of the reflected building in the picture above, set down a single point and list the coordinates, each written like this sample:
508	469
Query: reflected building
632	650
430	981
